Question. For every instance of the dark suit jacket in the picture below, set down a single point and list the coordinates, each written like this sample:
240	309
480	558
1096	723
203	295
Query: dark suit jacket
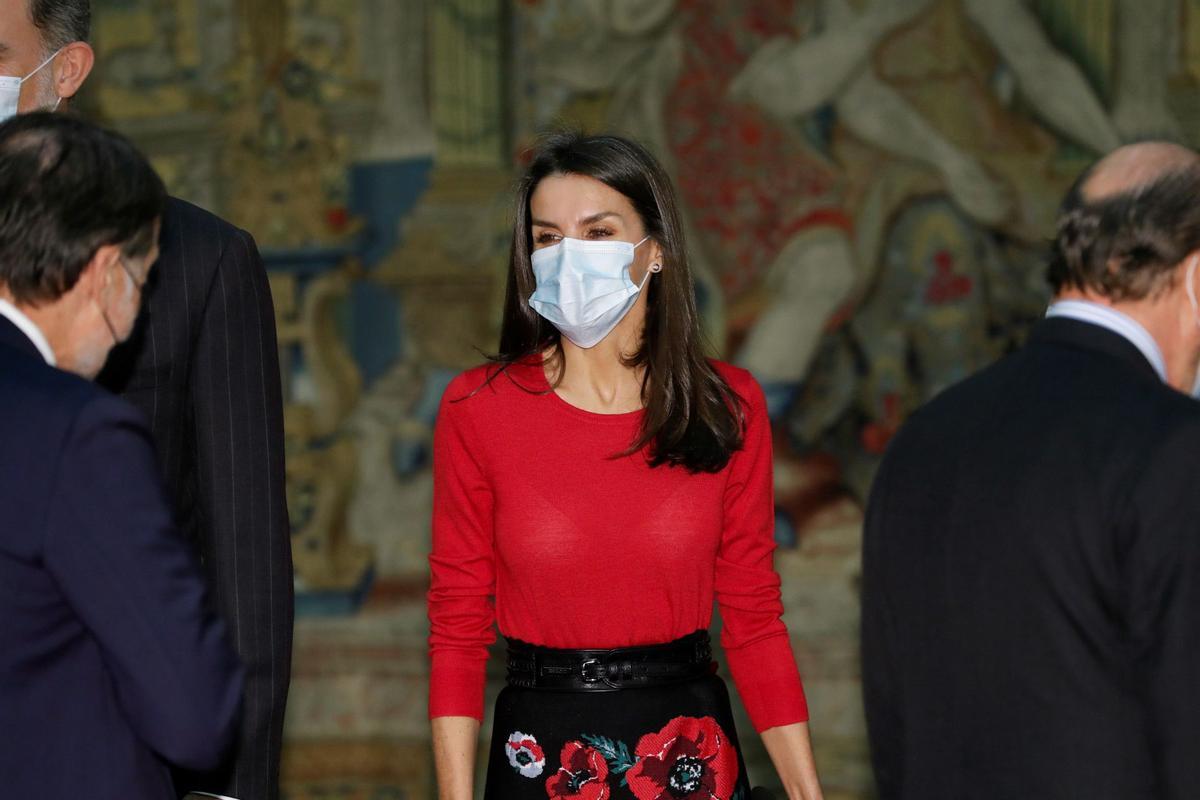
203	367
1031	597
110	661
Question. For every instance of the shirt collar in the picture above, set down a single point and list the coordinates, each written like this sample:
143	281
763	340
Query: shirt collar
1117	322
30	329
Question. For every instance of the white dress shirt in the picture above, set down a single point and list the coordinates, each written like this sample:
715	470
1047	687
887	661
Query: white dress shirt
30	329
1121	324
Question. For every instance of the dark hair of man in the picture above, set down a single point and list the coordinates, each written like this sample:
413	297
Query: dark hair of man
692	418
61	22
67	188
1126	246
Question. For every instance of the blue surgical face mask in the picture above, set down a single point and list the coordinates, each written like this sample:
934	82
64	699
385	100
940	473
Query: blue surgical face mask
10	90
584	288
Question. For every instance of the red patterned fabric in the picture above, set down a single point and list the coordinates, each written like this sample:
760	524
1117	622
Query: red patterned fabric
580	549
583	774
751	183
689	759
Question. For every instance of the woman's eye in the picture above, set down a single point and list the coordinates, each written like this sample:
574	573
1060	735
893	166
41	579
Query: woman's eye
546	237
599	233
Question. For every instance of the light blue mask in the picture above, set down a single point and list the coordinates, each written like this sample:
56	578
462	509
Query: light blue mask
584	288
10	89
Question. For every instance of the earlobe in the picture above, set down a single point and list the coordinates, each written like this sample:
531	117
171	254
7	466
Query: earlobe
656	260
72	68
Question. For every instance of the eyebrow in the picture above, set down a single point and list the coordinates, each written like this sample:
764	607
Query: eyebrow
585	221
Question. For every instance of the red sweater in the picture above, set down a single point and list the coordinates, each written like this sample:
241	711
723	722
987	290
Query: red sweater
581	550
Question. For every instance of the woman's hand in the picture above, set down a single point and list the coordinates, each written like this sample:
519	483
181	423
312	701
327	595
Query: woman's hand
455	740
791	752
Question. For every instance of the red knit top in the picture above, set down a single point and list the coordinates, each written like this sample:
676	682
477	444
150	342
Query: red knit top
582	550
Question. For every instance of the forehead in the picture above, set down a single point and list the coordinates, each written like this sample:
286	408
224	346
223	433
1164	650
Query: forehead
18	34
566	198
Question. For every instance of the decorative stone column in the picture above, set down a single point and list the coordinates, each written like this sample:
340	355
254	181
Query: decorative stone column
468	82
1189	11
395	36
1083	29
449	268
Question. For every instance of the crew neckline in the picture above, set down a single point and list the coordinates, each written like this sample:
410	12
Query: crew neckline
541	383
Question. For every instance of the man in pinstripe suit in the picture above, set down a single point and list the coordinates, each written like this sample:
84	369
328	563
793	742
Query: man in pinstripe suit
202	365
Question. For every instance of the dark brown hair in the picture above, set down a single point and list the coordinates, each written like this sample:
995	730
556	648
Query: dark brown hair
68	188
1127	246
692	417
61	22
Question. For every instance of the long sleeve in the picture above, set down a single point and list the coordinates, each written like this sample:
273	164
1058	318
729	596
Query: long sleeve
880	686
462	565
132	579
1163	564
753	634
245	538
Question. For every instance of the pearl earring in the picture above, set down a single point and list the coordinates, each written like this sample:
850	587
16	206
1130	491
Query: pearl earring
656	267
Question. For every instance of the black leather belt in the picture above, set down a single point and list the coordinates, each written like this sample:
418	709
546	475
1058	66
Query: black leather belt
534	667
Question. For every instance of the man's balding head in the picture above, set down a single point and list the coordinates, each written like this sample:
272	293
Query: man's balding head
1128	222
1133	168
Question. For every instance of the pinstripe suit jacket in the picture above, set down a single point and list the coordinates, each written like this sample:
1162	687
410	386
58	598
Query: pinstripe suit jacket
203	366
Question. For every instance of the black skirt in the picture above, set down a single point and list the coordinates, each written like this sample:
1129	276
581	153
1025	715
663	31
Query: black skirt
673	742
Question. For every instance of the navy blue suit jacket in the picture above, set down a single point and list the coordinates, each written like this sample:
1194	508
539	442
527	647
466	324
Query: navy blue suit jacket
111	664
1031	583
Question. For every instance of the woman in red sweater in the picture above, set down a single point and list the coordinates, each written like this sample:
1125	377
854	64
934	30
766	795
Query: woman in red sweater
595	489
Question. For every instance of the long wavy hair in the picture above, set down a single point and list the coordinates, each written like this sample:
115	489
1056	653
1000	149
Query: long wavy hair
692	419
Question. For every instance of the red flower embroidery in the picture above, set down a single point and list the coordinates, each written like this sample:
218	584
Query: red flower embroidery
688	758
583	774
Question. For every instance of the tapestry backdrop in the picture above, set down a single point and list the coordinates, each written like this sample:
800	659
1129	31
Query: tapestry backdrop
868	189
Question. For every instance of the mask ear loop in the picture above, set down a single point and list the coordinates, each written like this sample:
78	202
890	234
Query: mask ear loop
107	322
1191	290
650	270
38	68
1191	293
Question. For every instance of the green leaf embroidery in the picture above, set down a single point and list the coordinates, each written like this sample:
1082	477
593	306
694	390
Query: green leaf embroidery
617	754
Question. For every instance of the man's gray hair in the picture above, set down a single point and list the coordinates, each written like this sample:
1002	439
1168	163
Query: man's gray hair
61	22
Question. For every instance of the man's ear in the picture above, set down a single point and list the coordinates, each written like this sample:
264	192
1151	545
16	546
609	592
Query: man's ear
95	282
72	68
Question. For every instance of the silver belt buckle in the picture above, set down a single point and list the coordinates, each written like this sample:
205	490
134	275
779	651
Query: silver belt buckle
591	677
